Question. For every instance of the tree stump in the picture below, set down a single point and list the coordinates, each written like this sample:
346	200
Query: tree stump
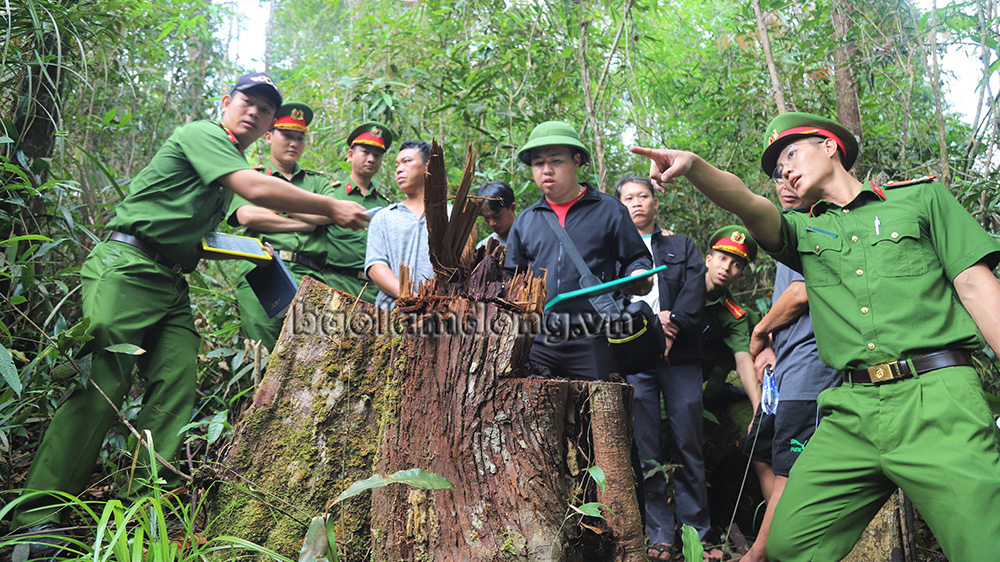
437	385
516	449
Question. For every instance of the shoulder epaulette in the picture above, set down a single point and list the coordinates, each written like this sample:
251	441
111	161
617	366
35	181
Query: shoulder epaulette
259	167
733	308
904	183
313	172
335	183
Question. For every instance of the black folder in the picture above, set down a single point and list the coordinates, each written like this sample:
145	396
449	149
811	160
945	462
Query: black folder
274	286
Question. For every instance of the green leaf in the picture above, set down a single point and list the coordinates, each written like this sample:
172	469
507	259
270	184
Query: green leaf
216	426
315	545
597	473
331	539
419	478
109	116
167	28
592	509
416	477
9	371
693	549
5	139
27	237
359	486
126	348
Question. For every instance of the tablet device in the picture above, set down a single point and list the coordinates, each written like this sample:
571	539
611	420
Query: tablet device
232	246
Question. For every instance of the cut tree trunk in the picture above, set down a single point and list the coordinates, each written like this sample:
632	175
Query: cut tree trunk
434	386
516	449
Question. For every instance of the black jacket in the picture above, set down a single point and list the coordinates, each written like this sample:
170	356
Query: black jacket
604	235
682	291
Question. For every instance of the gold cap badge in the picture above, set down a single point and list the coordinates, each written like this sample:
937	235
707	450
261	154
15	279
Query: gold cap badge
738	237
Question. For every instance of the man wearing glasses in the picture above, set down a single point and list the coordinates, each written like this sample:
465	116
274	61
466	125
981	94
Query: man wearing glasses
900	286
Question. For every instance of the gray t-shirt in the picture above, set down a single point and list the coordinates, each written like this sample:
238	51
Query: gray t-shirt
798	371
397	236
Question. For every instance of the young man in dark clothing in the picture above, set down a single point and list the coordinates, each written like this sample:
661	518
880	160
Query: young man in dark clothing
572	342
678	297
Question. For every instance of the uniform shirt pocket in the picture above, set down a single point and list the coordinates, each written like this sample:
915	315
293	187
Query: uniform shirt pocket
821	255
897	251
675	272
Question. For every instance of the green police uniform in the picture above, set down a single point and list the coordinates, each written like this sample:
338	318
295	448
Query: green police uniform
304	253
725	329
345	258
879	274
139	297
725	326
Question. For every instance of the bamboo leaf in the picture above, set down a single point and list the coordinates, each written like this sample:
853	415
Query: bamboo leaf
9	371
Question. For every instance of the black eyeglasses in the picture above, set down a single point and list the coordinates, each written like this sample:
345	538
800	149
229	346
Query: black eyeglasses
790	155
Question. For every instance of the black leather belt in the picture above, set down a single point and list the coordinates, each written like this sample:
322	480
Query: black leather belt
150	251
294	257
896	370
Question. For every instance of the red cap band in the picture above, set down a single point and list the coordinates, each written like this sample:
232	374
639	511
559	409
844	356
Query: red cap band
812	131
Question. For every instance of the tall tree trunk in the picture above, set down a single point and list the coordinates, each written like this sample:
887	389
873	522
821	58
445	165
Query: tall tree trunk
938	110
269	35
588	97
845	84
772	69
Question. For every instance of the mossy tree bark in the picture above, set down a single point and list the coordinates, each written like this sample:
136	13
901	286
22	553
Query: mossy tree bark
348	384
310	432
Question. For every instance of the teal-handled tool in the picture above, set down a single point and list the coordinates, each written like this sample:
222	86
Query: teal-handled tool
590	292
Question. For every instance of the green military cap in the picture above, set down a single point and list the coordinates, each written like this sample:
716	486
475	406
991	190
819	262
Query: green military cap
736	240
788	127
552	133
371	133
293	116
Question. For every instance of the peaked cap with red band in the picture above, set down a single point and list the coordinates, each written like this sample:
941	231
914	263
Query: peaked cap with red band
293	116
789	127
371	133
734	239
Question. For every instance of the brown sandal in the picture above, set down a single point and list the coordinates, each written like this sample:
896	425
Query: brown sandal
660	552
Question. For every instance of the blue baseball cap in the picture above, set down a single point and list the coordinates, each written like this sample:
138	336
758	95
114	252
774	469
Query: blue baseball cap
261	84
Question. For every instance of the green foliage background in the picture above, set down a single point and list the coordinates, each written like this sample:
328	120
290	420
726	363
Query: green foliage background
115	77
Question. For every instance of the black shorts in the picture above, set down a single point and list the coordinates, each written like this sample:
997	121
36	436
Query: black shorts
780	437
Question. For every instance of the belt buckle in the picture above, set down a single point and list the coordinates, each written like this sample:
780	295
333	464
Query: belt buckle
285	255
884	372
